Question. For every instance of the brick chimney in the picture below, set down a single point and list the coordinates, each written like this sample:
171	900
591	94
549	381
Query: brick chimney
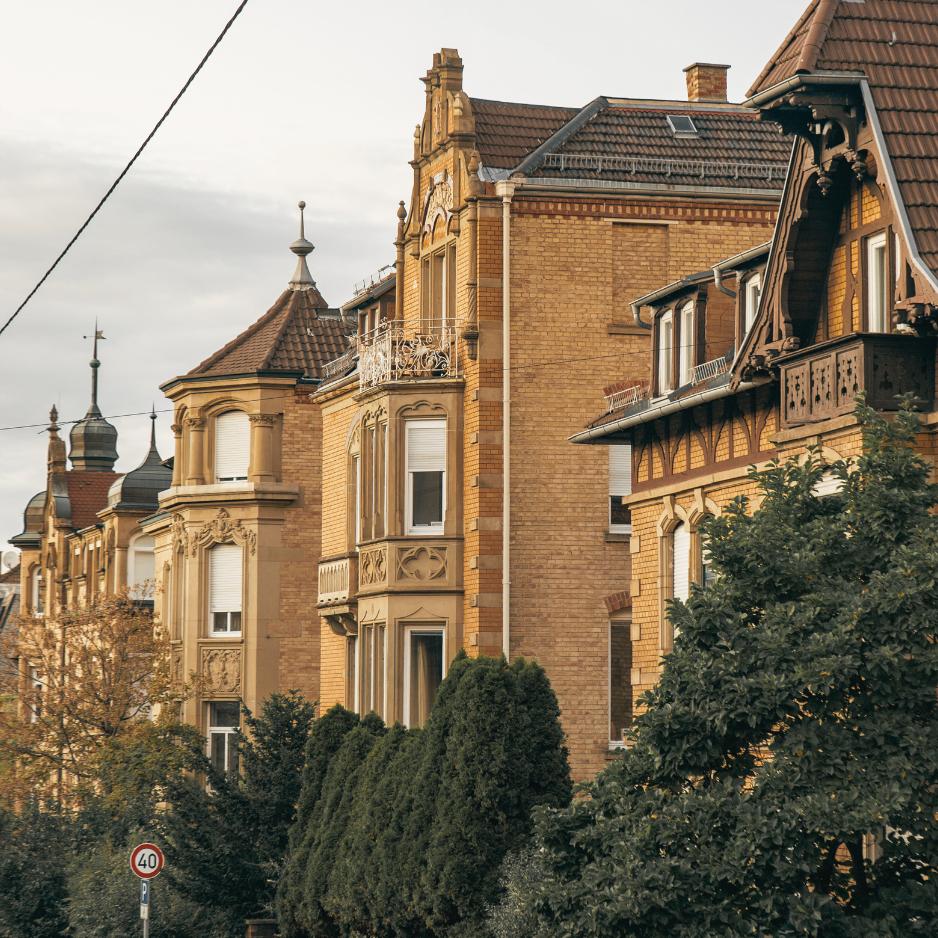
706	82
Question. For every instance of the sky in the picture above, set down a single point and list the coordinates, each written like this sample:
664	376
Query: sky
302	100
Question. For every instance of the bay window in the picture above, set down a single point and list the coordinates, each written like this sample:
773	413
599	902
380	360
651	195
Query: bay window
225	589
425	476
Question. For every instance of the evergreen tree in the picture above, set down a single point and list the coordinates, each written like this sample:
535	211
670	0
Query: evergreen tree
794	725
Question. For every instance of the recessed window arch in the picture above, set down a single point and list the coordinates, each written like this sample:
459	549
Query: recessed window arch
232	446
141	568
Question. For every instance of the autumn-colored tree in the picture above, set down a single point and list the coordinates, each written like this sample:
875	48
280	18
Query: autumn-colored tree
85	677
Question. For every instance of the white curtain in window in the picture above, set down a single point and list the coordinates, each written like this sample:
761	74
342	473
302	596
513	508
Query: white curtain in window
681	561
224	578
232	446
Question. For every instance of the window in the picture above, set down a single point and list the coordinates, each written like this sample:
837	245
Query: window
224	589
620	487
438	273
707	573
665	349
686	349
829	484
877	285
232	446
141	567
37	599
351	673
620	681
35	687
224	720
423	673
425	472
372	670
680	562
682	125
751	295
357	476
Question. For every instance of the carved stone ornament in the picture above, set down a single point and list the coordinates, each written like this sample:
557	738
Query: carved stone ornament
195	423
373	565
180	535
221	670
439	202
264	420
176	666
222	530
421	563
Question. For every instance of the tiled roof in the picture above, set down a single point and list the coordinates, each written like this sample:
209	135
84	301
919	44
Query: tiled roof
299	333
506	133
87	495
895	44
634	142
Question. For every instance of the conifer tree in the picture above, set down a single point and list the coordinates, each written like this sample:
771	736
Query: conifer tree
792	739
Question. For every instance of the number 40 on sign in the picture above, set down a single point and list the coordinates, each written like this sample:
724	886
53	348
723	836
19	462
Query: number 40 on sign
146	860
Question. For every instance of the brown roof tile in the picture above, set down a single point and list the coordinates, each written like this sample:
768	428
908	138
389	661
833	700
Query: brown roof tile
895	44
87	495
299	333
506	133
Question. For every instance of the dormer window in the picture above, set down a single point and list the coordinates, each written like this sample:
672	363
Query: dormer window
664	349
877	284
686	347
232	446
752	292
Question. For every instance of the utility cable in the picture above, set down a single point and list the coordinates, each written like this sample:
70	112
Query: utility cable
127	168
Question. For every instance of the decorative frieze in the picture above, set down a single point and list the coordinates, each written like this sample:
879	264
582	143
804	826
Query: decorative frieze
221	530
373	565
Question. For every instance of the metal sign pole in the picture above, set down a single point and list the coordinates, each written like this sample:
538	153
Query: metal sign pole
145	906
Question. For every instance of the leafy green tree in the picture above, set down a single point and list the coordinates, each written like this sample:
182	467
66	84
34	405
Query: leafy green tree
36	847
792	736
225	842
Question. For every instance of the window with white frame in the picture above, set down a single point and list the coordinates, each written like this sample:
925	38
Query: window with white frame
680	561
425	474
357	476
829	484
877	284
225	573
141	567
423	671
620	487
620	681
686	350
35	696
665	351
224	720
36	591
232	446
752	291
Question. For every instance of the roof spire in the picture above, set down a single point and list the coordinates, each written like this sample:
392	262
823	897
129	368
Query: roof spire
302	279
55	460
153	429
93	409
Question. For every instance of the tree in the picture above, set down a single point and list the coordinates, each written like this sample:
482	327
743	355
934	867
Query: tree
792	736
225	841
98	670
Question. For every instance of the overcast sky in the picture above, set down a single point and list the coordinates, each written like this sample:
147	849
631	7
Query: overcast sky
302	100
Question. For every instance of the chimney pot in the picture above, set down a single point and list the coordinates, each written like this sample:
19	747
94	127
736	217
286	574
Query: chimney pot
706	82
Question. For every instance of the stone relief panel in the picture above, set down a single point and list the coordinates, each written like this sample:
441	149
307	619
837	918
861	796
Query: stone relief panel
220	670
221	530
422	563
373	565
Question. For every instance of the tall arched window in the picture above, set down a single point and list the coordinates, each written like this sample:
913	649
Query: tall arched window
36	597
141	568
225	589
680	561
232	446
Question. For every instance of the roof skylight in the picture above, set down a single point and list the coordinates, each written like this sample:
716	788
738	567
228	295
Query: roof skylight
682	125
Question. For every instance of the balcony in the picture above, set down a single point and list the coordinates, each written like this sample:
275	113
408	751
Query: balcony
338	581
397	351
410	565
822	381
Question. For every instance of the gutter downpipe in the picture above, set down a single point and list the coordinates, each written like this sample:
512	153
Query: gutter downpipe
506	189
718	283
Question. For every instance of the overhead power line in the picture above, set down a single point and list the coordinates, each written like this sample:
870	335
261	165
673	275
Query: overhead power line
126	169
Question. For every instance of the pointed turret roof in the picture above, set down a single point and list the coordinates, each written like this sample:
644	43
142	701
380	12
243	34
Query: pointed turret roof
297	335
894	45
139	489
93	440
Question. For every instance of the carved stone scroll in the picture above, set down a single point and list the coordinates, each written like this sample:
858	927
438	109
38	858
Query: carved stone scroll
221	670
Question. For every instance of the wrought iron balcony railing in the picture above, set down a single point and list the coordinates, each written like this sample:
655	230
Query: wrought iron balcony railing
708	370
397	351
626	397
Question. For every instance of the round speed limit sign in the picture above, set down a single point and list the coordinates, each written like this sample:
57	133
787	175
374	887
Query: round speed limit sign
146	861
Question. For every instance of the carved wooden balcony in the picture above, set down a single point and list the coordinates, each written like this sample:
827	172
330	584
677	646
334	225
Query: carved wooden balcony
410	565
823	381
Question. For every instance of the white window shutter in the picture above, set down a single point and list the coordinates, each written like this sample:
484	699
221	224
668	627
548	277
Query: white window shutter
224	578
620	469
232	446
828	484
681	561
426	446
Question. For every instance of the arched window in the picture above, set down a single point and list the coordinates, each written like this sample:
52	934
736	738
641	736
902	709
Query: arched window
36	597
225	589
232	446
141	568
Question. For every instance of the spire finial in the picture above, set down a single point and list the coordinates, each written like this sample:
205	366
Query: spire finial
53	419
153	426
302	279
94	410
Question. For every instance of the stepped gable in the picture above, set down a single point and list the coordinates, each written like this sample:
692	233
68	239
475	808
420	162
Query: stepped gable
894	43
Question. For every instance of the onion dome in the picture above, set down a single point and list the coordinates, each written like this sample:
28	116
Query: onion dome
31	534
139	489
93	440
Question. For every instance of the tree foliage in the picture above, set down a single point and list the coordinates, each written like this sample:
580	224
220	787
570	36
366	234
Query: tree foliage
793	728
402	832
